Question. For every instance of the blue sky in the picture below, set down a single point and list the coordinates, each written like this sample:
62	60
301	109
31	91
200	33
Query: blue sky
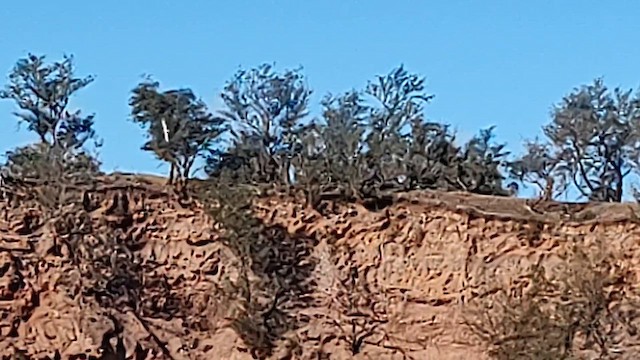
500	63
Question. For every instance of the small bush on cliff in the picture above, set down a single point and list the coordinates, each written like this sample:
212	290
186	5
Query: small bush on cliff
583	310
274	267
40	162
48	173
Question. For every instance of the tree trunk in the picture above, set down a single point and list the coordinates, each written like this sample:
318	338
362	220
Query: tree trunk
171	174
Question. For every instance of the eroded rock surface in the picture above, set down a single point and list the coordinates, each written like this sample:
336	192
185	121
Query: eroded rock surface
136	273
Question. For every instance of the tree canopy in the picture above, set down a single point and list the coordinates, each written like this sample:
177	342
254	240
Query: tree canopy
364	142
179	126
264	110
592	143
42	93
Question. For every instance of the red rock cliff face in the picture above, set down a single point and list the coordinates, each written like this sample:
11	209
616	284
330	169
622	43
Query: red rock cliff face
135	273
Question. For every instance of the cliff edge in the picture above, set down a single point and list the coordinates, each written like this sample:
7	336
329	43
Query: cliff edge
129	269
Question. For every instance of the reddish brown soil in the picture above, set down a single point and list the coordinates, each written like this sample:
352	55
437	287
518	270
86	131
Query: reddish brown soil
387	284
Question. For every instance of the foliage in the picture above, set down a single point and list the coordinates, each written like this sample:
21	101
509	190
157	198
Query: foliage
431	157
41	161
436	162
399	97
561	315
51	169
479	165
42	93
179	126
593	143
539	166
366	142
331	156
364	148
275	267
265	110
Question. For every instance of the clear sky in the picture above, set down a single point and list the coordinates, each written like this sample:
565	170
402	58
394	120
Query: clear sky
488	62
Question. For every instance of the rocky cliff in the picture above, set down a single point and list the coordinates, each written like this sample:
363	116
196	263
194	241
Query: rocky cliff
129	269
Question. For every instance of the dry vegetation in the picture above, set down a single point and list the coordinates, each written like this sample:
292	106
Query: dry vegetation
583	309
133	267
369	233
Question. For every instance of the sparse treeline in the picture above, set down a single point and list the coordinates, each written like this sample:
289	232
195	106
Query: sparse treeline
366	141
